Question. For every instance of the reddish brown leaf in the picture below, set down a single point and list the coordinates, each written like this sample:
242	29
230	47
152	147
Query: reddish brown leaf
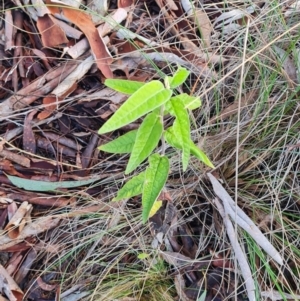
14	261
42	199
50	102
26	266
21	246
18	220
9	286
3	217
125	3
45	286
29	142
86	25
52	34
15	157
38	88
7	166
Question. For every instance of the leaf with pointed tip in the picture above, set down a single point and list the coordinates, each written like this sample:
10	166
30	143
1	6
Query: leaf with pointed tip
123	85
182	129
189	102
143	256
179	77
132	188
155	179
121	145
198	153
147	138
156	206
173	141
149	97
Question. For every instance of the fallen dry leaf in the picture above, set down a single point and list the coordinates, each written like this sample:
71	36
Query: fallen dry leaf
18	221
51	102
86	25
26	266
9	29
38	88
45	286
125	3
202	22
19	159
29	142
51	33
9	287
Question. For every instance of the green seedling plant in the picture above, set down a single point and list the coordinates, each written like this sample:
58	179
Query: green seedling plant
153	101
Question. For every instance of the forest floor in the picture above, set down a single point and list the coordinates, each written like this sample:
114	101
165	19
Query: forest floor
61	237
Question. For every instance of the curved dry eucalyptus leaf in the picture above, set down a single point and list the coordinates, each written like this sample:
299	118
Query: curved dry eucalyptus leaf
241	258
34	185
243	220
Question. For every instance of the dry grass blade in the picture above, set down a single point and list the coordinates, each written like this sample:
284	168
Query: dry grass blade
243	220
241	258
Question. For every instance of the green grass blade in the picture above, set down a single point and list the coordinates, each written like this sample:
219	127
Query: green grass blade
147	138
123	86
121	145
182	128
143	101
132	188
155	179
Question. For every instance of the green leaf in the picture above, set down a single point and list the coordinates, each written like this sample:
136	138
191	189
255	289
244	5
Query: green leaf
121	145
179	77
182	129
147	138
198	153
156	206
155	179
34	185
149	97
203	296
123	86
132	188
189	102
143	256
173	141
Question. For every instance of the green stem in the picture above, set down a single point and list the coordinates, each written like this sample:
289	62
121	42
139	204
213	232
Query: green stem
163	143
